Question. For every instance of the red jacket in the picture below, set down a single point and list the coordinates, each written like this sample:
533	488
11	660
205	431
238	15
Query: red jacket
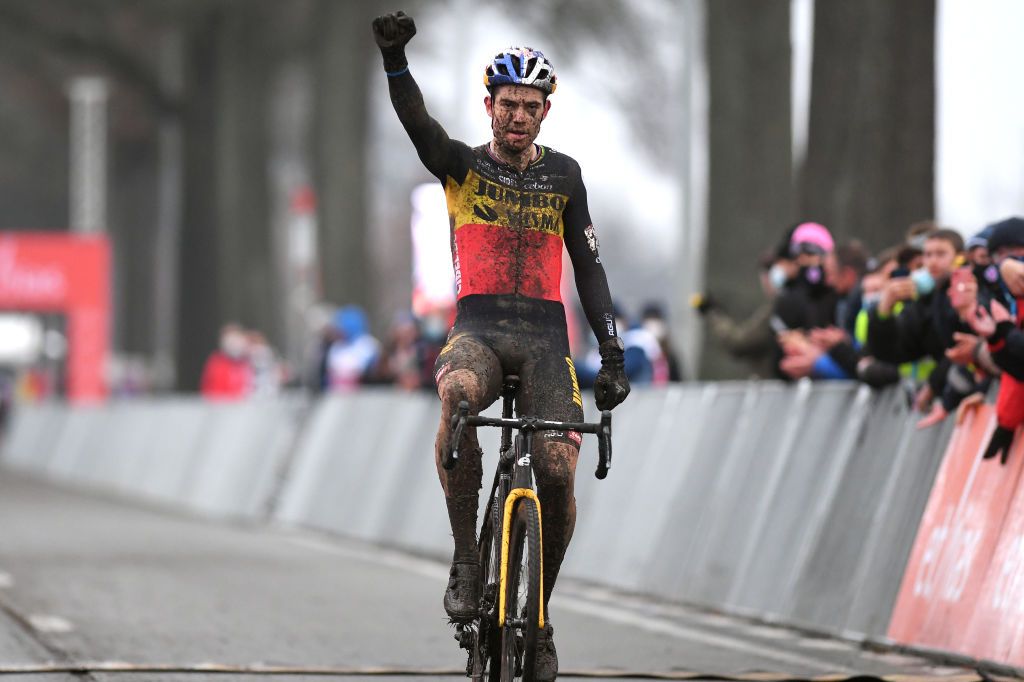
225	378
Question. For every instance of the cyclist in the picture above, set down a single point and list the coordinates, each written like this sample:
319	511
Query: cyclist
512	204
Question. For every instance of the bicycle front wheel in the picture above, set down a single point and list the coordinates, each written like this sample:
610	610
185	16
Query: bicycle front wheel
522	594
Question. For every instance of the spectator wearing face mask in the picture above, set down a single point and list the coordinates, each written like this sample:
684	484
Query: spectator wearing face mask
354	352
914	320
227	375
753	338
807	301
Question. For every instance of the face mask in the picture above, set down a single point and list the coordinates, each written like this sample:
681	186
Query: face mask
656	327
233	345
923	281
777	276
871	300
814	275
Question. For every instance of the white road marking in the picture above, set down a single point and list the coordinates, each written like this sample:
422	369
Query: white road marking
6	581
606	610
54	625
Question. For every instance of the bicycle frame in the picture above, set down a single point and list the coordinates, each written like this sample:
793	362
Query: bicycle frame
514	477
513	481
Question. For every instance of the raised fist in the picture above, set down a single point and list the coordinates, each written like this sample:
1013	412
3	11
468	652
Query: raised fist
393	31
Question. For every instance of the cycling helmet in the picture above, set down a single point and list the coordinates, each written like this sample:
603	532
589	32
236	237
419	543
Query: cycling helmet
521	66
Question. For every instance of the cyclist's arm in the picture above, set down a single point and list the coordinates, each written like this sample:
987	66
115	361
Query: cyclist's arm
431	141
591	281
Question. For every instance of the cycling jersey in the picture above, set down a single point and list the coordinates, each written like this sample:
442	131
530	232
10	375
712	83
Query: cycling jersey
508	226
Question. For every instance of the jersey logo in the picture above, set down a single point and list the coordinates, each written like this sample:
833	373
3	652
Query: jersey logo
485	213
592	241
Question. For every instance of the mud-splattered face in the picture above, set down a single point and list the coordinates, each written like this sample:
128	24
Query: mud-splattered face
516	113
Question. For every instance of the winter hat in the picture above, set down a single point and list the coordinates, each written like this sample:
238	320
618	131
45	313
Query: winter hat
1009	232
814	235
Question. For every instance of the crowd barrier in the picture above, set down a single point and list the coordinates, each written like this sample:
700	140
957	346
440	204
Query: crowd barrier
799	504
964	586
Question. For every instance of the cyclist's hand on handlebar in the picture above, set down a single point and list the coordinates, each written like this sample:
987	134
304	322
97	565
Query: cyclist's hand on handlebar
393	31
611	385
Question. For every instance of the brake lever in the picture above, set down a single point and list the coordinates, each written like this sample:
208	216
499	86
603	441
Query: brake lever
450	457
604	446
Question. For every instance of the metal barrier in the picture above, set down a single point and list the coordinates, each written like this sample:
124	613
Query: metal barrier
797	503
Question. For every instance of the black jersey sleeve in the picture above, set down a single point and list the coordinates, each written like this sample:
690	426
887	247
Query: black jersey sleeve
435	149
591	282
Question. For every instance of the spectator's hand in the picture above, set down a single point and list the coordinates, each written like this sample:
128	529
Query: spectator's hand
937	414
702	303
795	342
799	365
393	31
963	292
968	404
923	399
896	289
1012	272
981	322
828	338
962	350
1000	313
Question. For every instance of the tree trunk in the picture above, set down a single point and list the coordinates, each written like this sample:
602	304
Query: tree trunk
869	171
750	176
227	272
199	311
245	268
344	51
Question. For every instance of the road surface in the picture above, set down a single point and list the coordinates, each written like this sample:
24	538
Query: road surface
124	592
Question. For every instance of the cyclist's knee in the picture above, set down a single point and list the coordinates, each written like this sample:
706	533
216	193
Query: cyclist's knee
556	467
459	385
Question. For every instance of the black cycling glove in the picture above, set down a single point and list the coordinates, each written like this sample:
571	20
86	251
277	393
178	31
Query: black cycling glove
611	385
392	32
1000	444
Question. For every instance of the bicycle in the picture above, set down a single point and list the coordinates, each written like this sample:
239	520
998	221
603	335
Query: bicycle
502	640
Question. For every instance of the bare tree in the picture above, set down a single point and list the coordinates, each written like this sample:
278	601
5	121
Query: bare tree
751	185
869	170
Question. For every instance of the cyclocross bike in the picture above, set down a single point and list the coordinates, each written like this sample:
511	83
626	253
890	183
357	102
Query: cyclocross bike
502	639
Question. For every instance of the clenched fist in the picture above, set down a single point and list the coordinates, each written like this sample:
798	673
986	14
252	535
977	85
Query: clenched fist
393	31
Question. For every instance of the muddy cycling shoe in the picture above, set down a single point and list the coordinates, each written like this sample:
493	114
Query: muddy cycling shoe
546	669
462	598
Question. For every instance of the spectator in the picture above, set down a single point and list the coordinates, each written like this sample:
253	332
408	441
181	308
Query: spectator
227	375
354	351
914	319
754	338
653	320
267	372
1003	334
807	300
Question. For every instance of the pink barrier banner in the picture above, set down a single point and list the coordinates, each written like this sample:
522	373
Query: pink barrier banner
955	590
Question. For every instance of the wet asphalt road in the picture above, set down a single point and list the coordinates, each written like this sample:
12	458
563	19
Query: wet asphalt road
90	580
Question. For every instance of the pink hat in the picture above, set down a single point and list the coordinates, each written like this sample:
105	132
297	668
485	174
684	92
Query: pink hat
814	234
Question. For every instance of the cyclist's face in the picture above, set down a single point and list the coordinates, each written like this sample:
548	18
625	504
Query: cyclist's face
516	113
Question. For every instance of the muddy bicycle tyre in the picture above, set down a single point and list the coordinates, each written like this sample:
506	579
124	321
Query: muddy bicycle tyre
485	655
523	594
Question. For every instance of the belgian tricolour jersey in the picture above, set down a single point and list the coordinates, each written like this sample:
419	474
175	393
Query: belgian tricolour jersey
508	227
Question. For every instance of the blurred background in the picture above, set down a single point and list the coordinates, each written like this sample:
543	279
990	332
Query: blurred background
230	173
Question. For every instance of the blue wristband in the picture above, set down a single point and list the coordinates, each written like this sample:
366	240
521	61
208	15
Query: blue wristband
394	74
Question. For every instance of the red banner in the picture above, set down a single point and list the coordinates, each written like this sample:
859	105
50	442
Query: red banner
69	273
963	589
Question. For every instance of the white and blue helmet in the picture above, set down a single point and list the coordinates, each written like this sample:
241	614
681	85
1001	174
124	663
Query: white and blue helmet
521	66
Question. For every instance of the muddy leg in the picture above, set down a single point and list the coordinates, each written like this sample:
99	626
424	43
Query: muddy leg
555	470
462	484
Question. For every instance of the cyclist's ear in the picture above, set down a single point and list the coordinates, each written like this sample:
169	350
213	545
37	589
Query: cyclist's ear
547	108
489	105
